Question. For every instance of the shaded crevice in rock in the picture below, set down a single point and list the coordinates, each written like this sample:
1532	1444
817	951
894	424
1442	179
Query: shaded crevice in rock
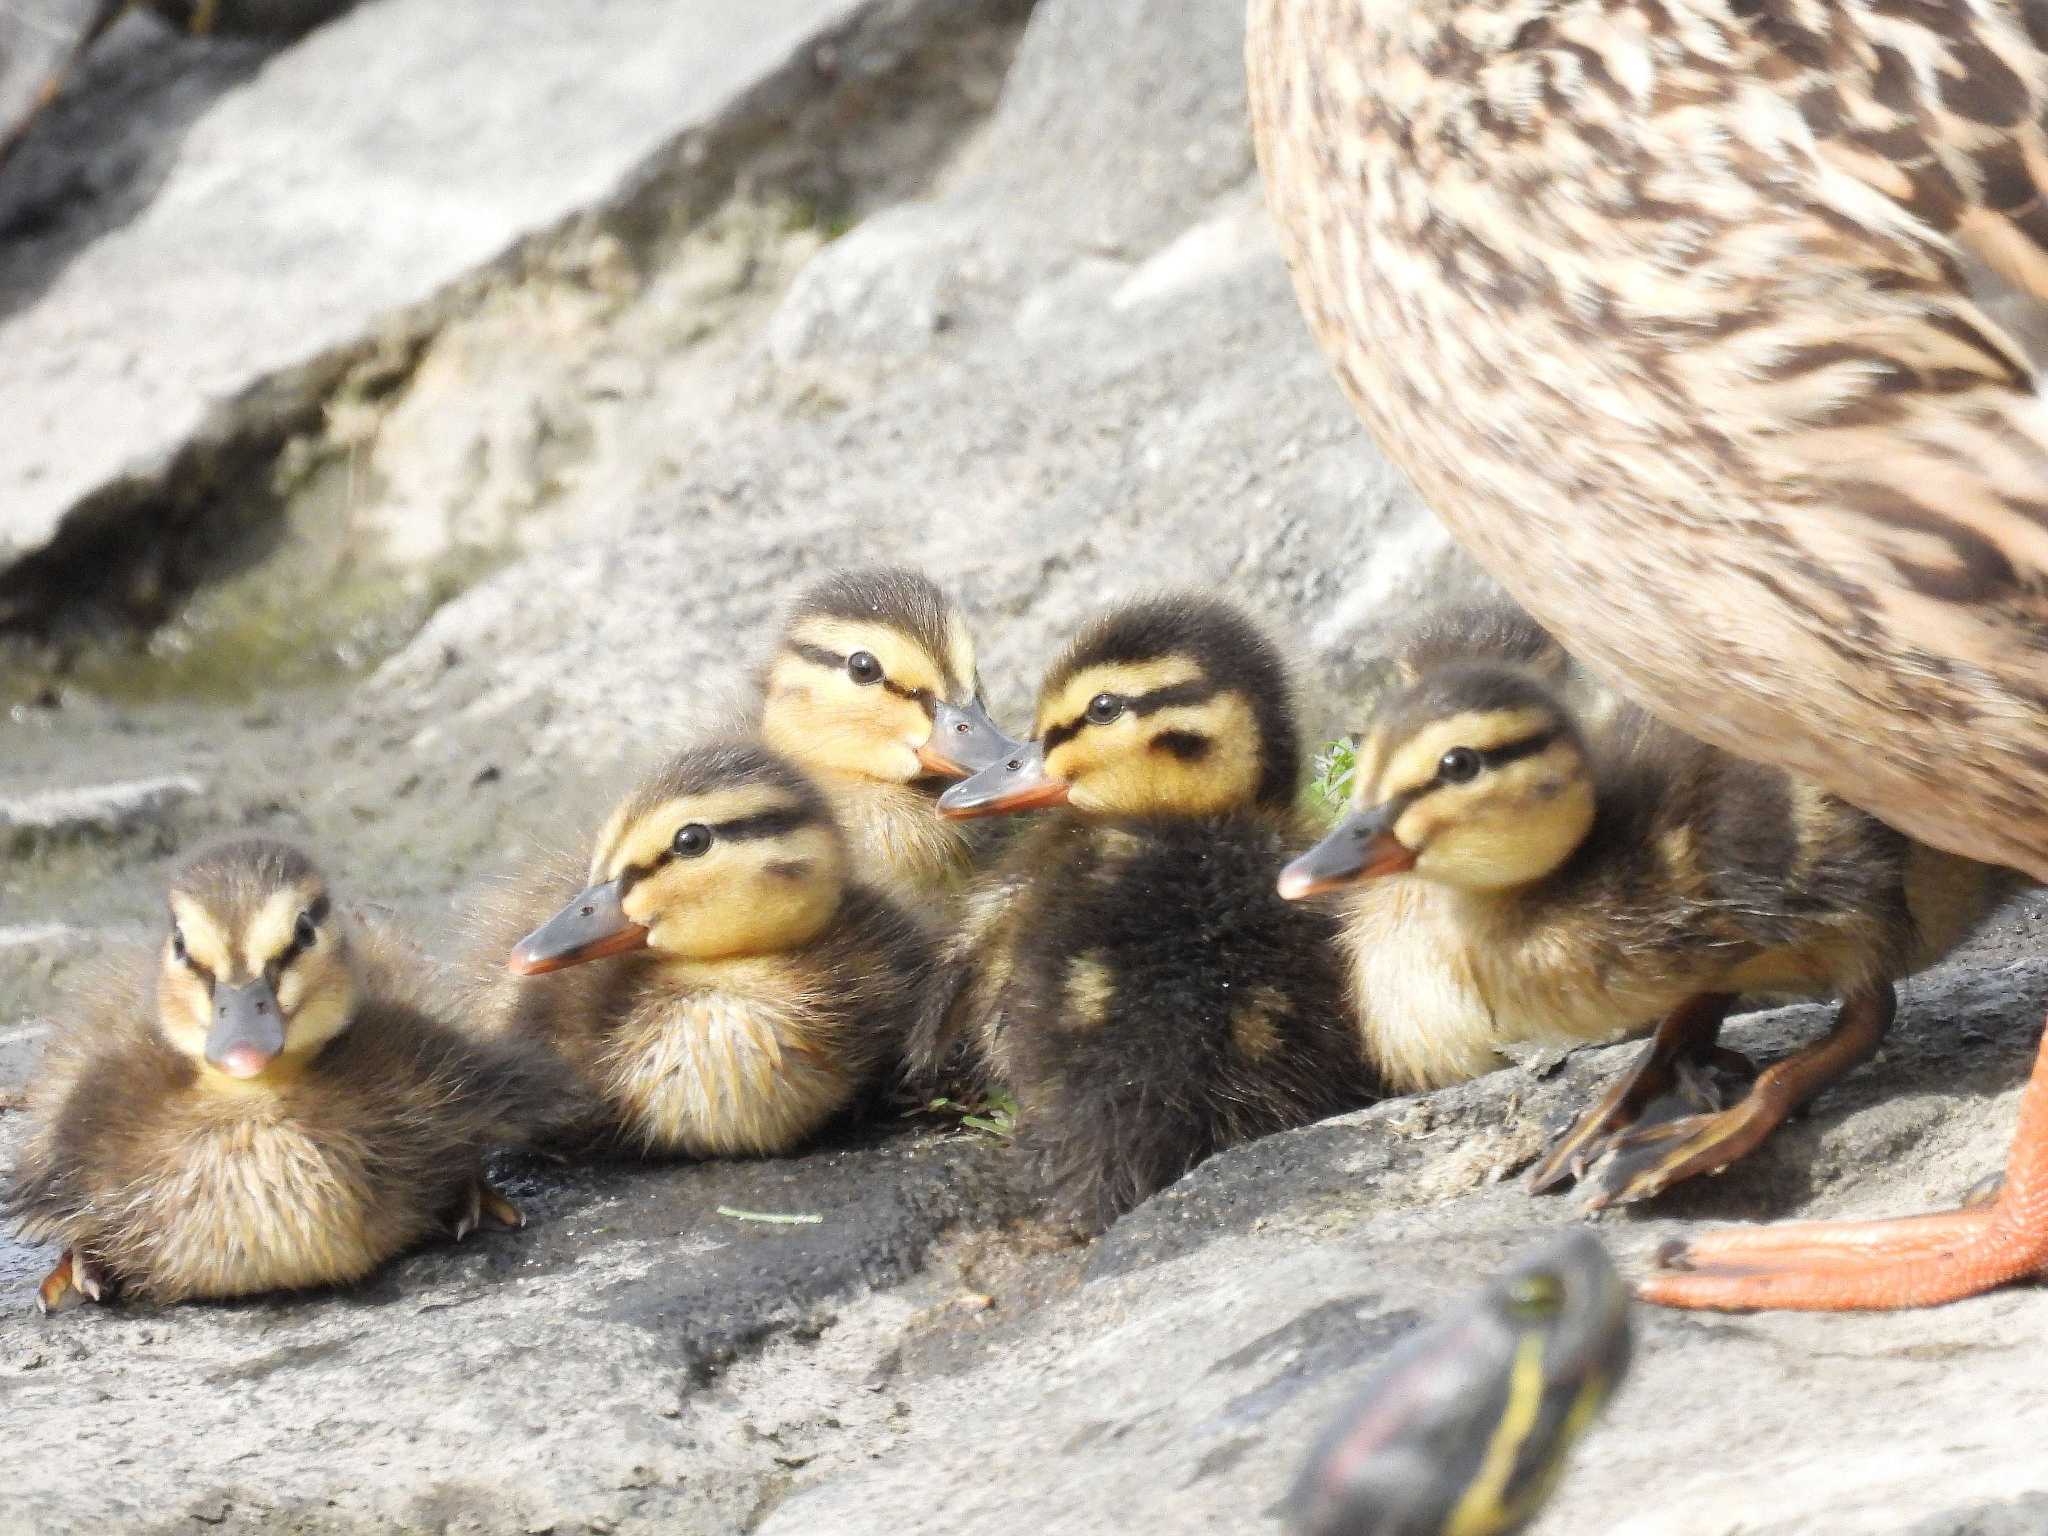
864	114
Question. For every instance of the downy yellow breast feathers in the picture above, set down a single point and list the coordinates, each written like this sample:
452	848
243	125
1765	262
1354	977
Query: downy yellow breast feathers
727	987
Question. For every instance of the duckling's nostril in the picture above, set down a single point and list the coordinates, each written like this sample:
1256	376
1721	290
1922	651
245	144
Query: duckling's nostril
961	728
587	911
1015	765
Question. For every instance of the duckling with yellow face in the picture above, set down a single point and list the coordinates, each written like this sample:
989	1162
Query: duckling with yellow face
1126	968
872	690
289	1113
727	987
1518	879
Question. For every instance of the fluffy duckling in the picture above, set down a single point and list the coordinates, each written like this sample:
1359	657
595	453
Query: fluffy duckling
1126	968
1532	880
753	989
286	1113
872	690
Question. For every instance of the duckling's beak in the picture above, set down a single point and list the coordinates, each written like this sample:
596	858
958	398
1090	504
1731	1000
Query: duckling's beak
248	1028
590	927
1360	847
964	741
1018	782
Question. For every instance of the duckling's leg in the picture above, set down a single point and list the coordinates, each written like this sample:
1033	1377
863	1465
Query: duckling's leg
1921	1261
75	1281
483	1206
1648	1161
1685	1035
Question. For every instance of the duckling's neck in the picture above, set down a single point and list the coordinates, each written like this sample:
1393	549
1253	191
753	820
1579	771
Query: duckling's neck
275	1080
1442	978
898	841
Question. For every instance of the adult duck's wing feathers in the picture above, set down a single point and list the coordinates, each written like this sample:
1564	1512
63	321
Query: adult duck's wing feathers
1705	263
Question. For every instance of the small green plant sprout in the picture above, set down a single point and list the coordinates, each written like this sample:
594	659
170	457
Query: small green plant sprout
994	1117
1330	774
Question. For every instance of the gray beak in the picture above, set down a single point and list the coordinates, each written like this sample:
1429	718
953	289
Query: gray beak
1360	847
248	1028
590	927
964	741
1019	782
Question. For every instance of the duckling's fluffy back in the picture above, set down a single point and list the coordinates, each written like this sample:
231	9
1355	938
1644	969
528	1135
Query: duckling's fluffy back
1149	999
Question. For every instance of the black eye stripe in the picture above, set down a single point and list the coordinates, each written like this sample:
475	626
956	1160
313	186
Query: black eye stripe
763	824
1528	746
1195	691
1490	757
818	655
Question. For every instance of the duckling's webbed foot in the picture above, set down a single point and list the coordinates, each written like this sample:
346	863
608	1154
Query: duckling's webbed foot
1665	1081
75	1281
1921	1261
484	1208
1650	1159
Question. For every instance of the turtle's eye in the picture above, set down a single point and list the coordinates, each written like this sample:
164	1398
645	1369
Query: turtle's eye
862	667
692	840
1533	1298
1103	708
1460	765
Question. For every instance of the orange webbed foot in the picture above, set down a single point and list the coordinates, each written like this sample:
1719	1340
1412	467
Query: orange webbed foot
73	1282
1921	1261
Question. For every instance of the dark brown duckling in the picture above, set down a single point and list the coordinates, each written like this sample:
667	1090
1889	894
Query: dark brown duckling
1126	968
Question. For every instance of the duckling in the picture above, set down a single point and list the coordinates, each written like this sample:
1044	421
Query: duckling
754	991
1126	968
872	691
287	1114
1534	881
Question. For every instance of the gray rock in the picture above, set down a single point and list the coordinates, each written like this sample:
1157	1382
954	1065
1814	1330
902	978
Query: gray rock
377	163
1058	363
93	810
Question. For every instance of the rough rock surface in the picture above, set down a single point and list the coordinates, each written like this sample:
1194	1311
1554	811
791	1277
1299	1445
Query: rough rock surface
1052	356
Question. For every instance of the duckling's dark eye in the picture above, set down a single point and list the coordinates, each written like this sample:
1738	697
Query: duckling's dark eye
178	945
1103	708
692	840
862	667
304	932
1460	765
1535	1297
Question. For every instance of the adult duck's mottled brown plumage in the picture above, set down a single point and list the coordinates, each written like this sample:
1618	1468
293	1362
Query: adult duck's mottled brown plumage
1664	308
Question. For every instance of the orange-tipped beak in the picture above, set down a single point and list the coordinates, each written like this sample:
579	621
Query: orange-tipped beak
964	740
590	927
1360	847
1019	782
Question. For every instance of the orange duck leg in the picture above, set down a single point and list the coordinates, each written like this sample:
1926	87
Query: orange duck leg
1922	1261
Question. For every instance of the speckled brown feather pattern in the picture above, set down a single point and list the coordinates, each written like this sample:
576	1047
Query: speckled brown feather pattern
178	1191
1148	998
1661	305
